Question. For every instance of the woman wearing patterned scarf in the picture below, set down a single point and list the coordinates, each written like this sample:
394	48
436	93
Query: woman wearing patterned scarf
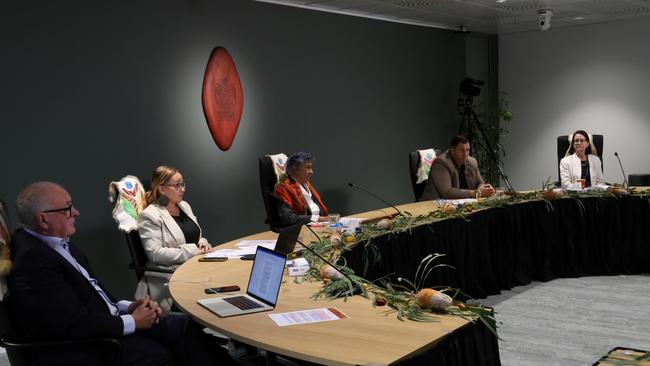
299	200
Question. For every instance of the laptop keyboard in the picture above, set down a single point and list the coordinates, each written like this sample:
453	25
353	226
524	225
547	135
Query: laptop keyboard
242	302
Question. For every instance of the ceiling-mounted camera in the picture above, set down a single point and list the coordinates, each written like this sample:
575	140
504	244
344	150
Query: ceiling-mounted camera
544	19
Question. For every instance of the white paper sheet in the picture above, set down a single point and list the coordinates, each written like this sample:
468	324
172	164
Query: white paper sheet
243	247
307	316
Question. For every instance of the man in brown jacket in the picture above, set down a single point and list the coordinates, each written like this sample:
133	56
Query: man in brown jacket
454	174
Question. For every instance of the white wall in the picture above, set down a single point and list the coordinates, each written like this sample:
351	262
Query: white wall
595	78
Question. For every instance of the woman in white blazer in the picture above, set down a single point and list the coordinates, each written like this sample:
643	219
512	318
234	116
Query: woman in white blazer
581	162
169	231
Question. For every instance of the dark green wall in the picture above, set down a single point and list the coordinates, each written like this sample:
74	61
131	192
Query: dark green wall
91	92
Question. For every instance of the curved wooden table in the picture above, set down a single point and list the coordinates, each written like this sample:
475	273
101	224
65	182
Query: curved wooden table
369	335
374	335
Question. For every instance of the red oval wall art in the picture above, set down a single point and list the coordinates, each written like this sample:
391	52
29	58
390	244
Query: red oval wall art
222	98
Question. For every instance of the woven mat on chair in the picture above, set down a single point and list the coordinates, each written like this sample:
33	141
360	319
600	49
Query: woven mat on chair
621	356
128	196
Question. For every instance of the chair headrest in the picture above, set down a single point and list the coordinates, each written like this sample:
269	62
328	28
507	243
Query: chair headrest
427	156
128	197
279	166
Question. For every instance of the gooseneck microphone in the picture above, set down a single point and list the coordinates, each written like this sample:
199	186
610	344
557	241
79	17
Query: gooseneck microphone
374	195
622	171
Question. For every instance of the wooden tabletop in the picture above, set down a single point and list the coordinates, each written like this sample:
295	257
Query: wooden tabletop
369	335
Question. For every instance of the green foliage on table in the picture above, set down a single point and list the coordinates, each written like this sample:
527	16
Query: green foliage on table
400	295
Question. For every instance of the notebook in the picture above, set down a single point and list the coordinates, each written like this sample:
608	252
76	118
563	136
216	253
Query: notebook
263	287
287	239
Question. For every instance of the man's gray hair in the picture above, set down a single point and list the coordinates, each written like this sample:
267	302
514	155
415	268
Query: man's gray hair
296	160
31	201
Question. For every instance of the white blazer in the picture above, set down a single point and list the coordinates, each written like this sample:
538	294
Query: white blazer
162	238
570	170
165	246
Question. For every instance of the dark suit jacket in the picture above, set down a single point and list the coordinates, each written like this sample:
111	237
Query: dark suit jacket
443	179
51	300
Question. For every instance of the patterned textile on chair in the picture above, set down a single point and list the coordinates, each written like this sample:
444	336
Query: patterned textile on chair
427	157
128	198
279	166
5	261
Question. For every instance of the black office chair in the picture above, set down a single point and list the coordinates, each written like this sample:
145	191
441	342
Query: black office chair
139	257
639	180
414	162
563	145
134	243
267	186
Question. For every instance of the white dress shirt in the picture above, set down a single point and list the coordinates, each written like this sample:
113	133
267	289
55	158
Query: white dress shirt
313	207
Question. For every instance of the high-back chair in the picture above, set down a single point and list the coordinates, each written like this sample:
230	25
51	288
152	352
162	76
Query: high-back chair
271	171
563	143
418	172
639	180
128	198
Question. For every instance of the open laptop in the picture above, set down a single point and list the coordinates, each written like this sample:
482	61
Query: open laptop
263	287
287	239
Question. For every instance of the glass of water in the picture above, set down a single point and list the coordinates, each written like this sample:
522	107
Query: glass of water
333	218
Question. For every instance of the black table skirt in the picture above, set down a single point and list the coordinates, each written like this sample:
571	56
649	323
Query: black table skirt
472	345
500	248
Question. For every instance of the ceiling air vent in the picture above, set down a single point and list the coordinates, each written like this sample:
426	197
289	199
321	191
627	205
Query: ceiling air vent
421	3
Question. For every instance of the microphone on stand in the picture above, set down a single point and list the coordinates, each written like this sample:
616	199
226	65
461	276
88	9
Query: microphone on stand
377	197
622	171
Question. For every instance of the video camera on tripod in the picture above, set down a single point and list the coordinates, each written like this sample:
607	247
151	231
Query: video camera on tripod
469	88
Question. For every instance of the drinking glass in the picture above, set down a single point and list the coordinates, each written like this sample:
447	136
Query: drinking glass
333	218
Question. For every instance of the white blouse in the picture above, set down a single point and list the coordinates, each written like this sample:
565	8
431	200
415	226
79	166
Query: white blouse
313	207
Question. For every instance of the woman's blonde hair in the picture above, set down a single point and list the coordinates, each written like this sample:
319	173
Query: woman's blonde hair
161	175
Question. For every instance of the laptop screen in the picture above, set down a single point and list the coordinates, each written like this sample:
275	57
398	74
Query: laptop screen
266	275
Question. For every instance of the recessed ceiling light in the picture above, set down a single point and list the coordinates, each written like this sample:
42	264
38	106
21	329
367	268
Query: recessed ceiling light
578	18
501	1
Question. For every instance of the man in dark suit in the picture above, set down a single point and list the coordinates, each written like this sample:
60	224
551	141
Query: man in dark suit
454	174
55	296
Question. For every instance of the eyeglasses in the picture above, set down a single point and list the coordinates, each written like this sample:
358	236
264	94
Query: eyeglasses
177	186
67	211
578	142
